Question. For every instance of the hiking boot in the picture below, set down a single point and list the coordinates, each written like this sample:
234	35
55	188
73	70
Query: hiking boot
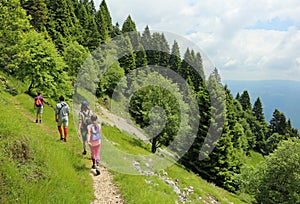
84	152
40	121
36	121
61	138
65	140
94	166
98	171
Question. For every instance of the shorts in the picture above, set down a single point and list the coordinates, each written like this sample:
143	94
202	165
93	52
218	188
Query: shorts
63	121
39	110
84	134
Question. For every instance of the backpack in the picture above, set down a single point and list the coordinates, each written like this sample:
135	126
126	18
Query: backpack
61	111
96	135
38	102
86	120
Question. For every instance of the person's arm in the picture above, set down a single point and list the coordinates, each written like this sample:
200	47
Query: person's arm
89	134
79	124
56	115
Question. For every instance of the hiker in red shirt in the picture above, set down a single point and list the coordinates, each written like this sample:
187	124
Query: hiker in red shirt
39	105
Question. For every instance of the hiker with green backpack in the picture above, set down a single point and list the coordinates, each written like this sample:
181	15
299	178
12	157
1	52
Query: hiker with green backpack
84	119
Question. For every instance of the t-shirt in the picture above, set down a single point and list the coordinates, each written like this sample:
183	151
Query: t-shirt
62	109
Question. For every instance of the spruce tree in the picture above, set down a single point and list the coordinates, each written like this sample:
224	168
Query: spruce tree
258	110
107	17
245	101
141	57
127	62
62	25
128	25
116	30
38	11
175	59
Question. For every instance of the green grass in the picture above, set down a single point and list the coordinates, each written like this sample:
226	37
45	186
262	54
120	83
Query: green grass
254	159
152	189
37	168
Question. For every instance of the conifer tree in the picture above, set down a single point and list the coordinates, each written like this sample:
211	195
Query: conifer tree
258	110
260	126
245	101
175	59
278	123
128	25
154	55
38	11
90	29
107	17
127	62
116	30
141	57
63	25
165	51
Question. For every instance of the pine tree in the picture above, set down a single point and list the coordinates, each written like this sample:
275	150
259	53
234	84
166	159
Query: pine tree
175	59
154	55
107	17
128	25
141	57
278	123
245	101
116	30
165	52
63	25
127	62
37	9
258	110
260	125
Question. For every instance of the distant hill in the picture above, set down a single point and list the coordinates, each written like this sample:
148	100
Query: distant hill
283	95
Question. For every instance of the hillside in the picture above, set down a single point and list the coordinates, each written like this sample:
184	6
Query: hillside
279	94
40	175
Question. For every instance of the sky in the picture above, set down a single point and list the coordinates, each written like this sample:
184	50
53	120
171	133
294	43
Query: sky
244	40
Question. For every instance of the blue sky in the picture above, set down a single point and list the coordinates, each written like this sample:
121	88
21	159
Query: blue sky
245	40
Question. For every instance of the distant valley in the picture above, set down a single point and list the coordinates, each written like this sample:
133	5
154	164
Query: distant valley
283	95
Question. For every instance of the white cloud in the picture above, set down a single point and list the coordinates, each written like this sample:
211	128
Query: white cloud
226	31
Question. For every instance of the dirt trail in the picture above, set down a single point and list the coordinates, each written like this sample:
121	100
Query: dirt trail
105	191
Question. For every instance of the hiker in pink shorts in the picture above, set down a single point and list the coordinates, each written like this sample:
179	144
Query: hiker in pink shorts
94	140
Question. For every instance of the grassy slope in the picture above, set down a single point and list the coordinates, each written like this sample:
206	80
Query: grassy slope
37	168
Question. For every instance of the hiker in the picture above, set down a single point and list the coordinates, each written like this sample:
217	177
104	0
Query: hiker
84	119
62	112
94	140
39	105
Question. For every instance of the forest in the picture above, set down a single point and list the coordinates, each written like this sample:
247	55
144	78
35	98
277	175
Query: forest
44	44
